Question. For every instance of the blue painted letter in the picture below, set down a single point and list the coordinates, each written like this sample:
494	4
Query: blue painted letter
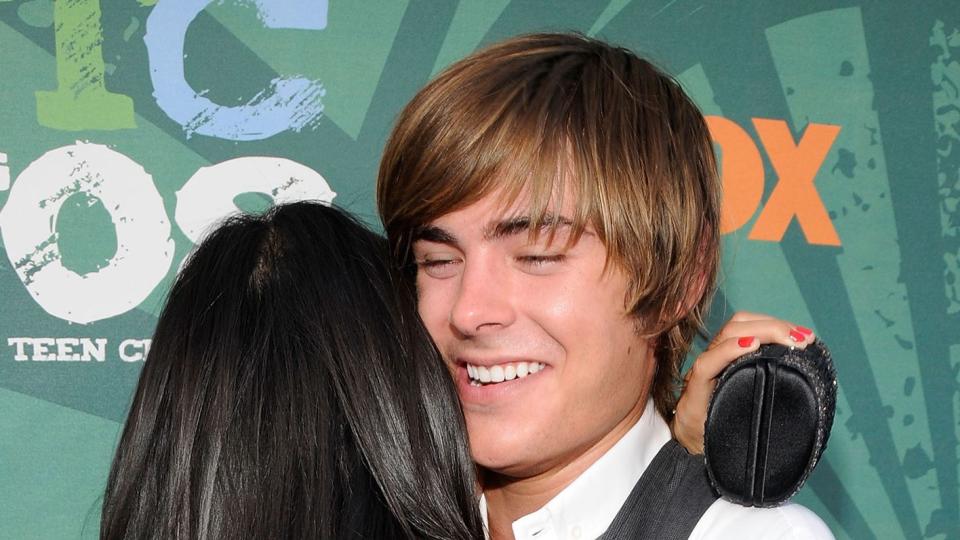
288	103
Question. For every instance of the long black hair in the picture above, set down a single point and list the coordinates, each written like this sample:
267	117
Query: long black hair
291	391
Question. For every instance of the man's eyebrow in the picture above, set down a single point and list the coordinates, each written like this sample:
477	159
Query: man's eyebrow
432	233
520	224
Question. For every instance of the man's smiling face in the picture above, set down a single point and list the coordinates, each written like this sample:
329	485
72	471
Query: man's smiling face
548	364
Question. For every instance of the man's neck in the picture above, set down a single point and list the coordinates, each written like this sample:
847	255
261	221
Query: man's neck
510	498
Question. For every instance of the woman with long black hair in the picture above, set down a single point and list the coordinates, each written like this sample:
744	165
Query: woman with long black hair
291	392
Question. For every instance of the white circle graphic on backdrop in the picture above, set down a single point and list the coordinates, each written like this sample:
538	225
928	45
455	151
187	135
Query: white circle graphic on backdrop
144	247
207	198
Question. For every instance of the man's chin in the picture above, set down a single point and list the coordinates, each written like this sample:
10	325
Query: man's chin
506	465
501	474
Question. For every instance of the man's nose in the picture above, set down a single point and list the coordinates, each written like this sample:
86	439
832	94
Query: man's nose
484	300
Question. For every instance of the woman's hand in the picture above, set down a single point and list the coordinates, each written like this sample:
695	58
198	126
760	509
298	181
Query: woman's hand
743	333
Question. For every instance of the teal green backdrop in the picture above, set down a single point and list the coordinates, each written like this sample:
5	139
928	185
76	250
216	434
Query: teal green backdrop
127	127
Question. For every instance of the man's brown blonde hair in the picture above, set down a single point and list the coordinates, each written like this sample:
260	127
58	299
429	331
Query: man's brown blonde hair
535	114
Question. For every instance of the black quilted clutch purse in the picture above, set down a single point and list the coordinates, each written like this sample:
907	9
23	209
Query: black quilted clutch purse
768	423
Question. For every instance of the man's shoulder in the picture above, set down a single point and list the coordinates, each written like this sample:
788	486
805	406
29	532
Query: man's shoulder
787	522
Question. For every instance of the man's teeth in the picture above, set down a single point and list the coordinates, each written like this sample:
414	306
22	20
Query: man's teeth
505	372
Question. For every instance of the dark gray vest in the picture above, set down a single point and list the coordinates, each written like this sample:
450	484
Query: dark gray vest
667	501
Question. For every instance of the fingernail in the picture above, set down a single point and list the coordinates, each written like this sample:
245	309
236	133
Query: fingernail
804	330
797	336
745	341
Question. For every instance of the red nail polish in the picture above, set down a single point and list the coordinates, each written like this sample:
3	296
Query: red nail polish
797	336
804	330
745	341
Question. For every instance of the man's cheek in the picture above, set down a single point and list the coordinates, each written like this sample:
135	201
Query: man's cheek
424	304
434	304
451	368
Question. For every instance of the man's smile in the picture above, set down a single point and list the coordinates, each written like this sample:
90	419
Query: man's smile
482	375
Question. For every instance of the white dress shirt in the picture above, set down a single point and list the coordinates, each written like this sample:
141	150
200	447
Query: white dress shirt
587	507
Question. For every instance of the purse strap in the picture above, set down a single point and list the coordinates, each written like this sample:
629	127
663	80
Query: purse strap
667	501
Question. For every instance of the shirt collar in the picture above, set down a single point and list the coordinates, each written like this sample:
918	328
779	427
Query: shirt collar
587	507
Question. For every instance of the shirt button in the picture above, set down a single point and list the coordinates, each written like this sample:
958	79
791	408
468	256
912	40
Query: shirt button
576	532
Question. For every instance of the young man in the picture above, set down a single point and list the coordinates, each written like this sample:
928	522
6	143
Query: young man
557	202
